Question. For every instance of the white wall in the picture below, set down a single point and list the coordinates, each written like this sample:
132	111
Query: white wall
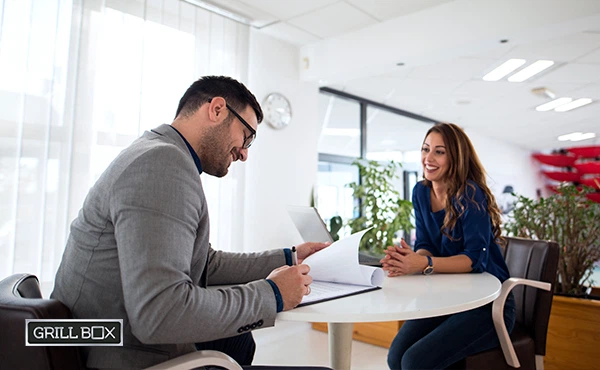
282	164
507	164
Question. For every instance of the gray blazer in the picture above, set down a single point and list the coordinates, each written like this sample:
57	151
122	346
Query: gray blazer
139	251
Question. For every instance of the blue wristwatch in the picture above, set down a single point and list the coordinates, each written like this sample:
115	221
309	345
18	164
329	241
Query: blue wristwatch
429	269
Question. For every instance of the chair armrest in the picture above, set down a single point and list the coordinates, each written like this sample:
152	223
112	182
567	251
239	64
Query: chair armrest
498	316
197	359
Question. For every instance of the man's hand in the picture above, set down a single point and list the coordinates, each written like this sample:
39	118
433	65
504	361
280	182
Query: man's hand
293	283
306	249
402	260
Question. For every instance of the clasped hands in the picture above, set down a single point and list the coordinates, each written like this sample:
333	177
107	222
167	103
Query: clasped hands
293	281
402	260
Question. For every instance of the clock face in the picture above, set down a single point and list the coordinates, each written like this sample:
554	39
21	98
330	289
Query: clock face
277	110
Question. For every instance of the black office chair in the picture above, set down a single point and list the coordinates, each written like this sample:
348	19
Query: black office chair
532	265
21	299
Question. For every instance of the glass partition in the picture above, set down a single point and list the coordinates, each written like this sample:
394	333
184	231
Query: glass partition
398	138
332	196
340	126
356	128
394	137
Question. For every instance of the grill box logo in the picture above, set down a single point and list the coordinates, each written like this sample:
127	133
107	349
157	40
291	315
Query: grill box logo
74	332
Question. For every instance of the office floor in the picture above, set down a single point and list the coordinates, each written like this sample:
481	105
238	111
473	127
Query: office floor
296	343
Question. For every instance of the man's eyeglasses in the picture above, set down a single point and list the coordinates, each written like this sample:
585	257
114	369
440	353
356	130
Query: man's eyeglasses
248	140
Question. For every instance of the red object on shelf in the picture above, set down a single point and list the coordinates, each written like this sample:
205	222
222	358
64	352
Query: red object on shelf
588	167
586	151
554	188
594	182
562	176
594	196
558	160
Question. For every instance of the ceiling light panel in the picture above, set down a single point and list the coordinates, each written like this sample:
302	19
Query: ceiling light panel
589	135
568	137
531	70
577	136
504	69
574	104
553	104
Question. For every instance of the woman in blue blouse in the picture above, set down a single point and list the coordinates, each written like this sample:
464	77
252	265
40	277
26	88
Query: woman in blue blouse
458	231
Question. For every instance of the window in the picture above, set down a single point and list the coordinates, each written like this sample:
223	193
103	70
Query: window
353	128
332	196
340	134
79	81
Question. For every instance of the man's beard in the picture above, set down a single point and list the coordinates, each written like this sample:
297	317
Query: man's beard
215	161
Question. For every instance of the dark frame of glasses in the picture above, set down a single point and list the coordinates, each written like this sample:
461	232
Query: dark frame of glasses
247	140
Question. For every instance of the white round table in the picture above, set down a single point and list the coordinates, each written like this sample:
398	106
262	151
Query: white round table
401	298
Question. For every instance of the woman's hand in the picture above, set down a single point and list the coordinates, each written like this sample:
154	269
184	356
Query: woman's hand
402	260
306	249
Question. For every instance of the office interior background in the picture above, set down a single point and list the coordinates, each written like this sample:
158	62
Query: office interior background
81	79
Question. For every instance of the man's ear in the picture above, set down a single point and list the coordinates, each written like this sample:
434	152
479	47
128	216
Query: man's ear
216	108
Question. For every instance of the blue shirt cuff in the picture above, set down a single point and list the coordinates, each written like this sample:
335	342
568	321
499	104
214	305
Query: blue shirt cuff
478	263
278	297
288	256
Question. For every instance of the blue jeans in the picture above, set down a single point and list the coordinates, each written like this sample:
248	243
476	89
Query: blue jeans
438	342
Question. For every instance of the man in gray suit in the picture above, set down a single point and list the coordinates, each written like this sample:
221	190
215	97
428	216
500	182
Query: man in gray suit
139	249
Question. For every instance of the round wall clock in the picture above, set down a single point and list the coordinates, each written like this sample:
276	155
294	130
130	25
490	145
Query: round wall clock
277	110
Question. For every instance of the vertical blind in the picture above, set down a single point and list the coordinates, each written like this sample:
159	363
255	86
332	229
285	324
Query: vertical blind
79	81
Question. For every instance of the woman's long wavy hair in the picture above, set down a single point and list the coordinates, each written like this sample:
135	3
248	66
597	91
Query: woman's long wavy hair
464	165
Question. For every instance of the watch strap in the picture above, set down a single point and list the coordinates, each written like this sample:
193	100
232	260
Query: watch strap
428	270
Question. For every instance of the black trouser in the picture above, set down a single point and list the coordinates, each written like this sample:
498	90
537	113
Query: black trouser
241	347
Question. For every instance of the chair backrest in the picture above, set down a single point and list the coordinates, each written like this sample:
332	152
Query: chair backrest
535	260
21	299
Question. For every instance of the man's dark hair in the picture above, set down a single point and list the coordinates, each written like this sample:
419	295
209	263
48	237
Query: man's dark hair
208	87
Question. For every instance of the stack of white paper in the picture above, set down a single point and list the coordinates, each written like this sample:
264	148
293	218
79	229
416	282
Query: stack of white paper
336	272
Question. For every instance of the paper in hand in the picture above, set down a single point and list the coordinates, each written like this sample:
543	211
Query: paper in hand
336	272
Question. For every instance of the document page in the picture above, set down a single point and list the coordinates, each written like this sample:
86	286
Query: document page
336	272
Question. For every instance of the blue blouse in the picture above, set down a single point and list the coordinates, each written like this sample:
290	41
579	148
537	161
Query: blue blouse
473	234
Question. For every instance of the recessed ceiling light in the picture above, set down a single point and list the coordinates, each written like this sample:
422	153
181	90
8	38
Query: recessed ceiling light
553	104
577	136
589	135
530	70
568	137
504	69
574	104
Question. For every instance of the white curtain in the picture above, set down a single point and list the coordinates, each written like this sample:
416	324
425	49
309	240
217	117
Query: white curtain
79	81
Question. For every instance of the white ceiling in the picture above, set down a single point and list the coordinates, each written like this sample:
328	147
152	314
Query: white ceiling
446	47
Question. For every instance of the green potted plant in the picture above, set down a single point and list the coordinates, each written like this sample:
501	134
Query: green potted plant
379	206
570	219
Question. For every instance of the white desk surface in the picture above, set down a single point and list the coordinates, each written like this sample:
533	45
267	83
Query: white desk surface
404	298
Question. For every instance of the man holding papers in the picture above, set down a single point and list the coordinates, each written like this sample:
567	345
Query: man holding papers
140	248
